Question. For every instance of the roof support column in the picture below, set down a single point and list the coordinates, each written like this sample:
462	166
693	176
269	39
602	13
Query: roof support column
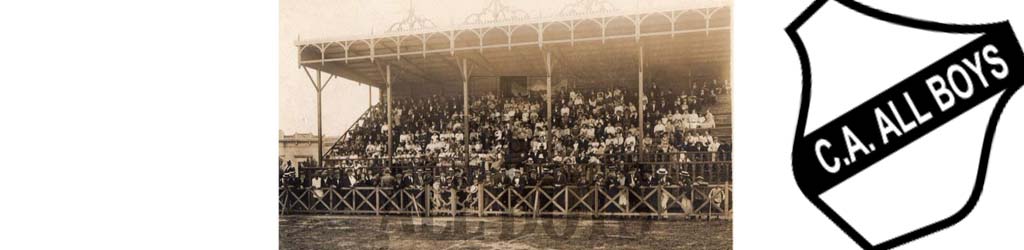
391	127
318	85
464	67
641	101
550	126
319	123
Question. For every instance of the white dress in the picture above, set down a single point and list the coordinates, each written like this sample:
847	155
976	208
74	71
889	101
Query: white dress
317	192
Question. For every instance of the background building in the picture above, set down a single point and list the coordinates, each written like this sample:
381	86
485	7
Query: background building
300	147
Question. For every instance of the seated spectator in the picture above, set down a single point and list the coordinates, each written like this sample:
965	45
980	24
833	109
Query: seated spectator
589	126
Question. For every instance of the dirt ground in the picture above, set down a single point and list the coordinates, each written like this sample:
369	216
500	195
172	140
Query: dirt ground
439	233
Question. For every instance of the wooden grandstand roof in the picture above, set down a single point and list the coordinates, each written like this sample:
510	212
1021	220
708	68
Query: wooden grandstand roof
595	46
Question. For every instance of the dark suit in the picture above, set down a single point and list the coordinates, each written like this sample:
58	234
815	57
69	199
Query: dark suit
406	182
344	182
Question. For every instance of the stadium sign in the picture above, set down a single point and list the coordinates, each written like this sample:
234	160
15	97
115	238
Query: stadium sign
849	162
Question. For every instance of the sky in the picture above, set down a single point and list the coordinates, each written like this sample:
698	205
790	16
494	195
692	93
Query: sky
344	100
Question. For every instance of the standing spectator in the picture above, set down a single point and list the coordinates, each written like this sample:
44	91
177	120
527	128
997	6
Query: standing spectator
437	186
407	181
347	181
316	182
289	170
471	193
387	181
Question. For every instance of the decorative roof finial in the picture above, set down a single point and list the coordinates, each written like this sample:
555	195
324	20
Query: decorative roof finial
583	7
494	12
411	22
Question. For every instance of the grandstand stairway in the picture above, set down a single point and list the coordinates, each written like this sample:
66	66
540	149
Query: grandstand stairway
723	118
343	139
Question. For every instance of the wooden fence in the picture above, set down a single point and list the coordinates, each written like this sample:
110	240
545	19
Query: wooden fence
705	201
713	166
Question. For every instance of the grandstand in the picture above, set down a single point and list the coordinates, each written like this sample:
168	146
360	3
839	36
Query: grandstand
590	97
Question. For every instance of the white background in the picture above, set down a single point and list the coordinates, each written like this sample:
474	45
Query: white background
770	212
138	124
131	124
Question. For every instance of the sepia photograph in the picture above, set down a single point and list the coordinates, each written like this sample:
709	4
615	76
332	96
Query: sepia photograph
511	124
501	124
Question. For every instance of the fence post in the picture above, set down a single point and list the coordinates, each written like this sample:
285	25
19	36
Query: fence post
692	198
537	198
728	205
657	190
283	201
401	200
480	199
329	194
707	199
453	196
629	199
376	198
565	198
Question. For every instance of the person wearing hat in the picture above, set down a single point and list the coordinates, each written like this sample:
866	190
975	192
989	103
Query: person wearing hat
623	184
471	193
437	186
289	170
486	182
387	181
662	176
647	185
684	185
598	179
516	183
340	178
701	186
348	180
367	180
631	179
560	179
700	182
532	179
499	179
417	178
406	181
460	184
612	180
683	179
446	181
330	179
459	179
426	180
662	180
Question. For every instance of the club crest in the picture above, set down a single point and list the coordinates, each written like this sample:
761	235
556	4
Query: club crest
872	123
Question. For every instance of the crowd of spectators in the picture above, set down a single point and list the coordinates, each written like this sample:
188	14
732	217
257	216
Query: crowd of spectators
593	140
618	182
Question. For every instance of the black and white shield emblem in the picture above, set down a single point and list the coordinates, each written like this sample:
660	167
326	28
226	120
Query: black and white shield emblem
897	117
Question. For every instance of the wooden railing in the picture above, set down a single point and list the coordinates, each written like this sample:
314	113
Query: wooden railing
715	167
698	201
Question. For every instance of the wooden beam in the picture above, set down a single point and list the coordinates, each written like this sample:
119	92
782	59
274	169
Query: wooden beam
420	73
482	61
